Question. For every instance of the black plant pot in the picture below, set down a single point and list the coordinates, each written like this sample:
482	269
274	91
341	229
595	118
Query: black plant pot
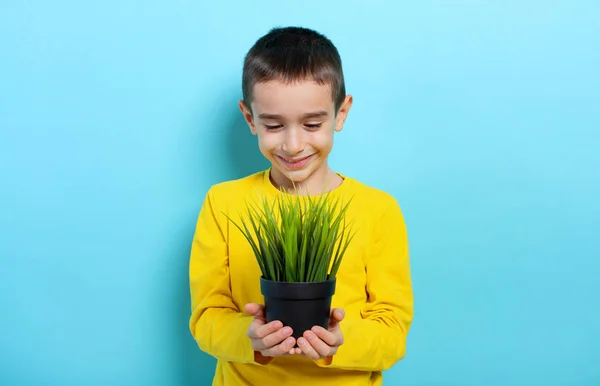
298	305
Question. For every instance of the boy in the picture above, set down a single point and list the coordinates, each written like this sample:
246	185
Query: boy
294	100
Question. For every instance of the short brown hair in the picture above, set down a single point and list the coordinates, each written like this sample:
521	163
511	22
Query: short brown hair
291	54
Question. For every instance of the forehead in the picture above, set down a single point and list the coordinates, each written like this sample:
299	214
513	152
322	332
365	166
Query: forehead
278	97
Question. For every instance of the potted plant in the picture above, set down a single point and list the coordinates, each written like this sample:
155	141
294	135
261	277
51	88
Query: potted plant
299	243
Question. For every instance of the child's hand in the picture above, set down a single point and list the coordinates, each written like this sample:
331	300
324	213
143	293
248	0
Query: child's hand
319	343
269	339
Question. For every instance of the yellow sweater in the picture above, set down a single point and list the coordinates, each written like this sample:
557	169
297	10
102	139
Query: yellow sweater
373	287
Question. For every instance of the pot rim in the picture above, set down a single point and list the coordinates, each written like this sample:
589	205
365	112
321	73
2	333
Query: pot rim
297	290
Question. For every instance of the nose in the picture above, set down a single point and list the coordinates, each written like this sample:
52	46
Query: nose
293	142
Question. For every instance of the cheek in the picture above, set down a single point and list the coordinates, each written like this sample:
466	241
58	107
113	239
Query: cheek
267	143
324	141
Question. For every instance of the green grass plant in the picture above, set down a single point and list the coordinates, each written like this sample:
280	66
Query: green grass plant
297	238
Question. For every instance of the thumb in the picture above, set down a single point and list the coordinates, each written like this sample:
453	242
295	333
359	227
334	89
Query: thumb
337	315
255	310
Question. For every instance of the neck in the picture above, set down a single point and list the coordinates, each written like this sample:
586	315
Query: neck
320	182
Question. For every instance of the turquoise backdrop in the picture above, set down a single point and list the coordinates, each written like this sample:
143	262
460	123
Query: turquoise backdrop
480	117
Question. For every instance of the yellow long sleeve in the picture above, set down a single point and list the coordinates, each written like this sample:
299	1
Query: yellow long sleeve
378	340
216	323
373	287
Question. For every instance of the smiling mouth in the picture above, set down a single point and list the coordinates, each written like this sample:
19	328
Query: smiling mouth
295	163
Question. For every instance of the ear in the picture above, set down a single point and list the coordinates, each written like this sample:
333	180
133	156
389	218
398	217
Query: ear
343	113
247	116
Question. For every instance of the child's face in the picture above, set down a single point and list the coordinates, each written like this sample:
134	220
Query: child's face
295	124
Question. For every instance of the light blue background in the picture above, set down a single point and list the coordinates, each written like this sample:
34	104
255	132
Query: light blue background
481	118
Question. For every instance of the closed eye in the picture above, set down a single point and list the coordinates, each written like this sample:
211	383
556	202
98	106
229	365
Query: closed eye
313	125
273	127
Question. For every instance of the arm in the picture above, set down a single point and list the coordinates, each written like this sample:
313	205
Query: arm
378	340
216	323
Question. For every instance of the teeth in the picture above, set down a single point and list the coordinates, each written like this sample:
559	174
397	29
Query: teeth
293	161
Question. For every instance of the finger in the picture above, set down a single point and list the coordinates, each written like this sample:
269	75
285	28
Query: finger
251	332
322	348
281	349
330	338
336	316
259	329
307	349
276	338
255	310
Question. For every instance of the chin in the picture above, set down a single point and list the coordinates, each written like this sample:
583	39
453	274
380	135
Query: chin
296	176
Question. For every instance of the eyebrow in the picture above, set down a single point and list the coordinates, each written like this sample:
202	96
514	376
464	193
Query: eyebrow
315	114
